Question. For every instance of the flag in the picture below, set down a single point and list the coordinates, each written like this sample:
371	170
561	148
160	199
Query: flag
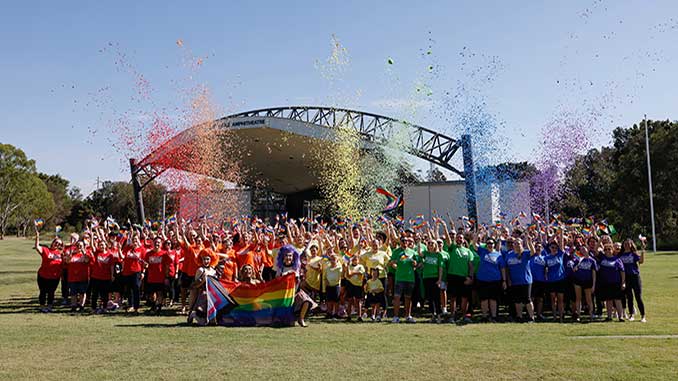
612	230
522	215
217	298
586	230
58	228
268	303
39	222
515	221
393	201
589	220
172	219
536	217
418	221
502	215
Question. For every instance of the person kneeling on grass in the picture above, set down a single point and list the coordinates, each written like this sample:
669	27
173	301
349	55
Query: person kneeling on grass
288	261
198	311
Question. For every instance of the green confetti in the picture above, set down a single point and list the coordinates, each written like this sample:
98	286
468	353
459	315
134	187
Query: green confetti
390	61
430	68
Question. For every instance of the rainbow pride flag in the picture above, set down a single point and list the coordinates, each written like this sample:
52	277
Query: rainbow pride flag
269	303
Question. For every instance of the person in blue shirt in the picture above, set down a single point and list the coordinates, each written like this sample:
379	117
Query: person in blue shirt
538	268
491	278
555	276
584	276
520	276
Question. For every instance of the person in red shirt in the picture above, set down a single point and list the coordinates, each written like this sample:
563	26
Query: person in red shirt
49	272
171	261
133	263
67	251
102	275
78	276
156	272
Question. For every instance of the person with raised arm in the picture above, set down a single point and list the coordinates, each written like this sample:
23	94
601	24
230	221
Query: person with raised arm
520	275
50	270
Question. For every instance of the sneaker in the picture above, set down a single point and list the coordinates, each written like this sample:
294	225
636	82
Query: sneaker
632	318
410	320
395	320
348	319
360	319
451	320
607	319
378	319
467	320
373	318
621	319
44	309
643	320
530	320
190	318
493	320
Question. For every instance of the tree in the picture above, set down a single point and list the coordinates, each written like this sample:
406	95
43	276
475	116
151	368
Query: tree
436	175
19	187
38	204
59	190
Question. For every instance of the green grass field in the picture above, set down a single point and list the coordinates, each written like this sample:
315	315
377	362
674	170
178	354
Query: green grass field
62	345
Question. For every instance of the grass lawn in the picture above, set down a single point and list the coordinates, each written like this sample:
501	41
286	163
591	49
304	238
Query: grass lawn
62	345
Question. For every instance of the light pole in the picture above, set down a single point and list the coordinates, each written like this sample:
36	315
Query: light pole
649	183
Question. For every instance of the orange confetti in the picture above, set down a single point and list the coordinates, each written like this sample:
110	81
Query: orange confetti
180	42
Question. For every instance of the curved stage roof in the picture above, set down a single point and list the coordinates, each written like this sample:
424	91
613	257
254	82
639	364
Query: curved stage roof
278	145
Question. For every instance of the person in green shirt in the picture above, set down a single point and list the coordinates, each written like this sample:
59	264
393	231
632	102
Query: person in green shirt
444	259
459	276
431	264
405	261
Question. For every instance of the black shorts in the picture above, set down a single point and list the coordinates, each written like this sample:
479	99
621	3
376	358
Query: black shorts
521	293
332	293
586	284
557	287
155	287
488	290
456	286
186	281
569	289
345	283
118	284
377	298
353	291
538	289
610	291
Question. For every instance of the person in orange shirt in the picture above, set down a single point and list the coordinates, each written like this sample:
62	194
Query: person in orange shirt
190	249
227	266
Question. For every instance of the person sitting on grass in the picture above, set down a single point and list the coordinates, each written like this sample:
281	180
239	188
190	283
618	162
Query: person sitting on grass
198	311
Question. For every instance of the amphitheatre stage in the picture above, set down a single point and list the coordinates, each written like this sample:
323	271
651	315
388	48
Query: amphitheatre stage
277	147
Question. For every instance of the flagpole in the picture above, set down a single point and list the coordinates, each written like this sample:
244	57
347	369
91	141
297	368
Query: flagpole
649	183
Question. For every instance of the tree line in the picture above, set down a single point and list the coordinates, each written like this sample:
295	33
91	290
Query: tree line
608	182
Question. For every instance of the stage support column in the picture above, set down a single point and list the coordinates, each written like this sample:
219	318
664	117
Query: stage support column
138	197
469	177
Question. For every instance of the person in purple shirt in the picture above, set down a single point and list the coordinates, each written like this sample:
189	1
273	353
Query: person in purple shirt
538	268
630	258
612	282
584	278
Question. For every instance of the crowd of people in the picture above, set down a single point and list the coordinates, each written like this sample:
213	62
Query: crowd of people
356	271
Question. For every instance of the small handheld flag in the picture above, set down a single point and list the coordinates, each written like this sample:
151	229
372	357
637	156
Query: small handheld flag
39	222
393	201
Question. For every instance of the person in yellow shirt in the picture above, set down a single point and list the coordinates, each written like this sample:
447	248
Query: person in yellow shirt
313	271
355	274
375	294
331	283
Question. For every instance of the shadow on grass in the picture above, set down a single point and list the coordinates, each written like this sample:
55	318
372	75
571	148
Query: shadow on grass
182	324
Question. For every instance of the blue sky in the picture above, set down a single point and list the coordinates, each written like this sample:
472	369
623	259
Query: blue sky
61	88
